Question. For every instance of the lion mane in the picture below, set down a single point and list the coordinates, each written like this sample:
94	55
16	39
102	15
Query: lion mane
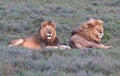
89	34
46	36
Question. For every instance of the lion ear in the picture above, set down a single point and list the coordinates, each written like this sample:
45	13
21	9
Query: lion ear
53	25
43	24
91	23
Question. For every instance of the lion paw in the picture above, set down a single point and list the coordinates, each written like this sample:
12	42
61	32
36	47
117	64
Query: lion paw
62	47
108	47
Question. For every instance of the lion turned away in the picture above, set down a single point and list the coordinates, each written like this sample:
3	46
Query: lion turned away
89	34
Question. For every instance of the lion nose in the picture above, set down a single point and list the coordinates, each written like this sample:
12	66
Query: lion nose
100	31
49	32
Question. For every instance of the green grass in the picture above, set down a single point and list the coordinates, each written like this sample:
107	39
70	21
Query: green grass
20	18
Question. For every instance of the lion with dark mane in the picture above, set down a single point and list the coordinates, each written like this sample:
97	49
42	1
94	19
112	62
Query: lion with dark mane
88	35
46	36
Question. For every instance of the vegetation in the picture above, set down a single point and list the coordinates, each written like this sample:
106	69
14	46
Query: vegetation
20	18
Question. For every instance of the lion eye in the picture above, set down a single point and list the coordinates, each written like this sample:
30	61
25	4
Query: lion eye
99	30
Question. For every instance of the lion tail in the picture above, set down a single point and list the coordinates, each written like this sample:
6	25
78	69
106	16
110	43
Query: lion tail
15	42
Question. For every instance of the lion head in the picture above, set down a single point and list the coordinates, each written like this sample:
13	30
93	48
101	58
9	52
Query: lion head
92	30
47	33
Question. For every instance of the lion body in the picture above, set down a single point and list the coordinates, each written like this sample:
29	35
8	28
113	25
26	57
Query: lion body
46	37
88	35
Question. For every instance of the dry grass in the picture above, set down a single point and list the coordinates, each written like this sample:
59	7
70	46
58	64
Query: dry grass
20	18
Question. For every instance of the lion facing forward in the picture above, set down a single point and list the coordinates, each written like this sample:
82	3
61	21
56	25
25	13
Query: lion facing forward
88	35
46	36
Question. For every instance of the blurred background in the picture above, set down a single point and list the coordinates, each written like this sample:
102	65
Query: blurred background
21	18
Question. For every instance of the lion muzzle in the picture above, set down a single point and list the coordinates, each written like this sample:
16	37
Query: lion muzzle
100	35
49	36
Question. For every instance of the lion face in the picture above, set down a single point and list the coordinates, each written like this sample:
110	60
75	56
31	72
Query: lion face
48	30
98	31
96	27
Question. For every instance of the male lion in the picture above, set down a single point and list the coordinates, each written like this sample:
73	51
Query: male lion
46	36
88	35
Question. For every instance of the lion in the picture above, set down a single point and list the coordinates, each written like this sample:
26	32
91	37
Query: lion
88	35
46	36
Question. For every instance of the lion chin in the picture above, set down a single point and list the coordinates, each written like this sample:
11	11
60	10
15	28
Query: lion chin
89	34
49	38
100	35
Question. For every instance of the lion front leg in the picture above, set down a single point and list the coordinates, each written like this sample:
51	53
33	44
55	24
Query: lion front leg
77	45
103	46
62	47
100	46
51	47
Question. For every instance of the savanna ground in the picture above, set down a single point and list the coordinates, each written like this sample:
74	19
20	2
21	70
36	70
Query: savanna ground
20	18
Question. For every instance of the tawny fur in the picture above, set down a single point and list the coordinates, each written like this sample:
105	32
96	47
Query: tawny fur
39	41
89	34
31	42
